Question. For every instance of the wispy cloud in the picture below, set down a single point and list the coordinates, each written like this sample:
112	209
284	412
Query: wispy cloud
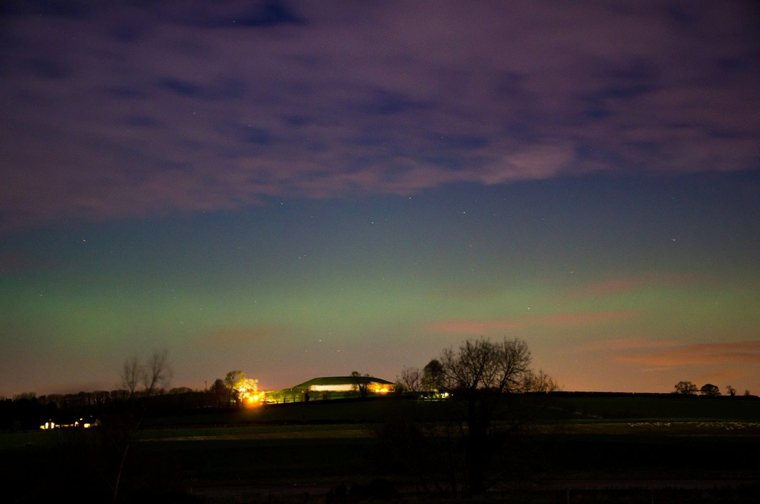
625	284
745	352
558	320
117	109
625	344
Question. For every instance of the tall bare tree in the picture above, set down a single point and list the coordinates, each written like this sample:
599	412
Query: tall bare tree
479	373
487	381
156	373
411	379
131	374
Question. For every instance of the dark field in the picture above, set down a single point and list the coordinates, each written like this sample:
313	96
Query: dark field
596	449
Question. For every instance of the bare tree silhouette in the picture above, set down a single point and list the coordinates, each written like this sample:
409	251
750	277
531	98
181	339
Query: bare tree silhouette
489	404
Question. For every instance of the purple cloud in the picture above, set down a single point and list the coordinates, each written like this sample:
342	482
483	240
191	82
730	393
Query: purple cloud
118	110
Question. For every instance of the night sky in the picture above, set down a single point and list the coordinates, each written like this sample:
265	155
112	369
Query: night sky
305	189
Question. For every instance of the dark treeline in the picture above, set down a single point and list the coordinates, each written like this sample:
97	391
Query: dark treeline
651	394
28	411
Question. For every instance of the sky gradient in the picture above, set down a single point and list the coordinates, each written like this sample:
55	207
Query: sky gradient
300	189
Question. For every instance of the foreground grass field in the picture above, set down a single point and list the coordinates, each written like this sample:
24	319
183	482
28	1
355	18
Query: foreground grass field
666	407
561	408
317	446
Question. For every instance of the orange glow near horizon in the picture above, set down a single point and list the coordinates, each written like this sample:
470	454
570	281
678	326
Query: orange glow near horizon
254	399
381	389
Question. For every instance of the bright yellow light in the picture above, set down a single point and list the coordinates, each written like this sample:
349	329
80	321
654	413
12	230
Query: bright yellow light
252	400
